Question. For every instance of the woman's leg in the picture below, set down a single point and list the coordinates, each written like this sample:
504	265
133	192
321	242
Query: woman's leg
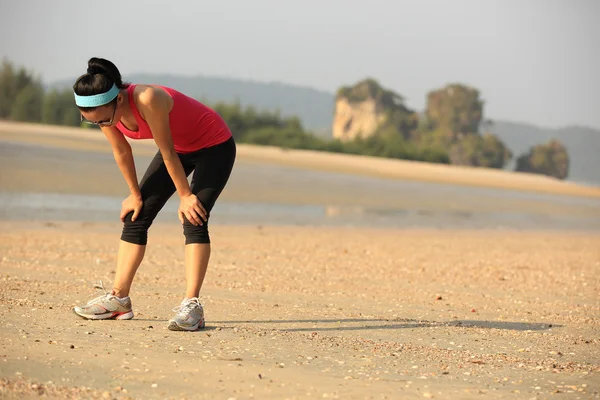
197	256
212	170
129	258
156	188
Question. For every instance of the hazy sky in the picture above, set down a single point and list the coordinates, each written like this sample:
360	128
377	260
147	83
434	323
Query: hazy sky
534	61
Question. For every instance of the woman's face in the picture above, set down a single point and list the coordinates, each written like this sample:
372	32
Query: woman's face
107	115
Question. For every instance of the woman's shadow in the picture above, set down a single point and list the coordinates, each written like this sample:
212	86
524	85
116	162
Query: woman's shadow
354	324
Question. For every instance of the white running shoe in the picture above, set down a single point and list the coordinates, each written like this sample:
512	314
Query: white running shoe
190	316
107	306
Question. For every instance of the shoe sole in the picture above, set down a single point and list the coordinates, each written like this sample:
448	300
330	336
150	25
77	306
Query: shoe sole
111	315
174	327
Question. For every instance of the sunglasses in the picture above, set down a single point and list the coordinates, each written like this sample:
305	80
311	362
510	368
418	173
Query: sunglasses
101	123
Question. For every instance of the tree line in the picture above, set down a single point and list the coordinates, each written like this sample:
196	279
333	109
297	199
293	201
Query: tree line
447	133
24	98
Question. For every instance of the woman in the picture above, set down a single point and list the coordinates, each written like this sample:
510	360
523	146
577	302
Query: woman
190	137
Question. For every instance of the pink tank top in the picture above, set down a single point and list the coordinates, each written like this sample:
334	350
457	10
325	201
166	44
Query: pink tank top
194	126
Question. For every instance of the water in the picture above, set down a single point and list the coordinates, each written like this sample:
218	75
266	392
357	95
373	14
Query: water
75	207
47	183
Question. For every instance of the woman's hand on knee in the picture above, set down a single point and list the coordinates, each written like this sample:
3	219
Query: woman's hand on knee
192	209
132	203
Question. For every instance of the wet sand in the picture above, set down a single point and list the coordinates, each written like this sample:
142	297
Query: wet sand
297	312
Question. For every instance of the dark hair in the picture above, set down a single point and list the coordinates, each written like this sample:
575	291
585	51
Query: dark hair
100	76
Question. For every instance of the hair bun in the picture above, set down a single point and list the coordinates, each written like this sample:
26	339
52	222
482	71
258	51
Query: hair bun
106	69
96	67
93	70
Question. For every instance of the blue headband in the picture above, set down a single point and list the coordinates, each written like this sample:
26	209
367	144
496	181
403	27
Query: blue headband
97	100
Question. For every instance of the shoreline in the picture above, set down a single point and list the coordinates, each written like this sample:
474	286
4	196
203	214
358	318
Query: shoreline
92	140
51	208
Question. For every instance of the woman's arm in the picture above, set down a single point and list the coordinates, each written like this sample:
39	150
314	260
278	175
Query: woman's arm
154	108
124	158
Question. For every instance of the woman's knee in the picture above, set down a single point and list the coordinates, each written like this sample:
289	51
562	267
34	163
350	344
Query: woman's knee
135	231
195	234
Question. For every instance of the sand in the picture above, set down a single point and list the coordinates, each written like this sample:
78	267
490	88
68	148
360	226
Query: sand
302	312
295	312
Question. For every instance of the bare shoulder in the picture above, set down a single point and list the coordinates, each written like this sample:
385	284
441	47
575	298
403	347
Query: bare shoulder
148	97
148	94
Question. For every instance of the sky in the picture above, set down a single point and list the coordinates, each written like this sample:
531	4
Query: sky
534	61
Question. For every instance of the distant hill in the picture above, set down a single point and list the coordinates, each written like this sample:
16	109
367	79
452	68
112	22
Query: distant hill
315	108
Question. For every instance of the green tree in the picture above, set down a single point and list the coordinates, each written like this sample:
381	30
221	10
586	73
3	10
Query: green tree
28	104
494	154
456	108
50	109
481	151
12	82
550	159
59	108
241	120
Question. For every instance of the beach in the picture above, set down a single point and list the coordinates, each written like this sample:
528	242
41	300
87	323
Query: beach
331	277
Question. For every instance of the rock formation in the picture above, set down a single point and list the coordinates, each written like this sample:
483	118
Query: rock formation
453	118
549	159
449	128
456	108
365	108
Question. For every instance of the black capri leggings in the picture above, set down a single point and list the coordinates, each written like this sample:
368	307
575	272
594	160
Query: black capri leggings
212	167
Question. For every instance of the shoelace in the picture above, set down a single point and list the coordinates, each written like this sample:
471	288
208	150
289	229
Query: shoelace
187	305
105	296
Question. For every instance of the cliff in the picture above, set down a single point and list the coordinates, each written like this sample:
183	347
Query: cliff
366	108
